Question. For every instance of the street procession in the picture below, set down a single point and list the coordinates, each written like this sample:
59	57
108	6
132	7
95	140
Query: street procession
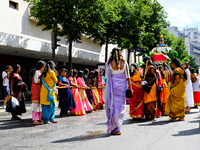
114	74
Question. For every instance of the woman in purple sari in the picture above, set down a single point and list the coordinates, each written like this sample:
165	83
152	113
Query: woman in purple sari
117	75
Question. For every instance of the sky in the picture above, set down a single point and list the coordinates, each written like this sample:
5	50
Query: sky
182	13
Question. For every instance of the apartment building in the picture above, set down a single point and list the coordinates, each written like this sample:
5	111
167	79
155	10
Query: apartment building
193	34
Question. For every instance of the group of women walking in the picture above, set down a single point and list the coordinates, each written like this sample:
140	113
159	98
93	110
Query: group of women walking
159	91
156	90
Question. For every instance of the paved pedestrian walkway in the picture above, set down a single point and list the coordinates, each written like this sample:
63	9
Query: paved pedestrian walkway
27	104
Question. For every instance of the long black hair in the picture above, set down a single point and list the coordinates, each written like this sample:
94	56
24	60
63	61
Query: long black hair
73	72
96	75
80	73
86	70
15	67
49	66
161	70
167	67
115	56
147	58
39	65
178	64
147	61
63	69
133	68
192	70
91	75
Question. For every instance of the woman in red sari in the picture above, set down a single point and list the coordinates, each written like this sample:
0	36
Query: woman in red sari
136	102
35	92
16	85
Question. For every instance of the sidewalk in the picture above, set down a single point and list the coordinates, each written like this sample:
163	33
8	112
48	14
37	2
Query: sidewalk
27	105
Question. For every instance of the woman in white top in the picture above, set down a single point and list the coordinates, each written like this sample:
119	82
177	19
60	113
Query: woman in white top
117	75
189	100
35	92
196	88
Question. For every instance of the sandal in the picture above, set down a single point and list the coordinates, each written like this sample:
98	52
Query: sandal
63	115
40	121
54	121
170	119
36	123
16	118
117	133
181	119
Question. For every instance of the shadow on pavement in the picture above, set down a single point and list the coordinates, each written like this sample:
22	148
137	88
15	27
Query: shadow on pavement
189	113
13	124
131	121
89	136
194	121
188	132
156	123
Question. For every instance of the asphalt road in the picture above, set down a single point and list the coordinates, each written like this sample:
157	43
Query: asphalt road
89	132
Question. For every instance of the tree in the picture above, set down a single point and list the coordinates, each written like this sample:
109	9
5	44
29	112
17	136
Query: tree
178	49
74	17
105	30
153	25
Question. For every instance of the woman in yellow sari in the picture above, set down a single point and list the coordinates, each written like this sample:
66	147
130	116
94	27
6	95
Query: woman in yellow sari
175	106
151	97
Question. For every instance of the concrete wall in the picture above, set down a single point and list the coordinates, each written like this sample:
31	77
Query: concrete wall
17	30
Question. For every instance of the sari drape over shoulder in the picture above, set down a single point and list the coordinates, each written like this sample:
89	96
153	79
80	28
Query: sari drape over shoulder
175	106
150	98
66	100
136	102
86	103
115	96
79	110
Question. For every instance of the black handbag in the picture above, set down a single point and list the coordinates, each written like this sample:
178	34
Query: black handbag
147	88
128	93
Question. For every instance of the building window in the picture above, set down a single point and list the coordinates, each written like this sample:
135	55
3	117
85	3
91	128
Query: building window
13	5
189	33
195	37
195	33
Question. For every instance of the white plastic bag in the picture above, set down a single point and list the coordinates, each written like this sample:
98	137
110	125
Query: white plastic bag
15	103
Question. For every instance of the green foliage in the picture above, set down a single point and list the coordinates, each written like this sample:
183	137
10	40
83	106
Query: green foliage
178	49
70	18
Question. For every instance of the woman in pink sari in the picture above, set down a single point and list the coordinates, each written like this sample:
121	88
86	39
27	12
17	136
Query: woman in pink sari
79	110
82	87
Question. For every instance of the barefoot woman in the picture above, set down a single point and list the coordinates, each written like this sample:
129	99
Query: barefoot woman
117	73
175	106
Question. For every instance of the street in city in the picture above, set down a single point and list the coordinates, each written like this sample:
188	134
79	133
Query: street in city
88	132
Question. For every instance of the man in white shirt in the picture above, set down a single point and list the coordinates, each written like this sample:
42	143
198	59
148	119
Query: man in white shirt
5	77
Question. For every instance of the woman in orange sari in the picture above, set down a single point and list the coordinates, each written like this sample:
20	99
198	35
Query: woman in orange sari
151	97
175	105
165	90
136	102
